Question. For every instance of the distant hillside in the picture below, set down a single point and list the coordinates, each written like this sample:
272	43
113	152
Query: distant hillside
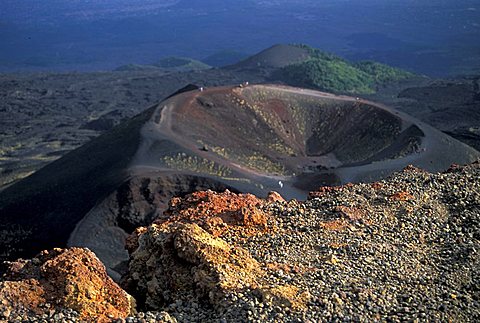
327	72
181	64
304	66
168	64
136	67
276	56
224	58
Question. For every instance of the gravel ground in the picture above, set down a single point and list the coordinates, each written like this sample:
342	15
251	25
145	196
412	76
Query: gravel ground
403	249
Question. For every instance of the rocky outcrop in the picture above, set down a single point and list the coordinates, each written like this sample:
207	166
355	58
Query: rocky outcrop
274	197
217	212
177	259
182	254
135	203
62	279
192	253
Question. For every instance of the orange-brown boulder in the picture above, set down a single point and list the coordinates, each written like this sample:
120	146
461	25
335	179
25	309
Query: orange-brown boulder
217	212
63	278
175	259
352	213
274	197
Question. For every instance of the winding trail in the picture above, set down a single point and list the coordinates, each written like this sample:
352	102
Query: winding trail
161	127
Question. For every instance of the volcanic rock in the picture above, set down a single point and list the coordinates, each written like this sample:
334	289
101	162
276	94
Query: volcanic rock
191	253
286	296
179	259
216	212
274	197
62	279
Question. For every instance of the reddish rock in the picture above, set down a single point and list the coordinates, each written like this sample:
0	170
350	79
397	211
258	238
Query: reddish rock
182	254
131	243
63	278
334	225
217	212
274	197
402	196
21	295
351	213
376	185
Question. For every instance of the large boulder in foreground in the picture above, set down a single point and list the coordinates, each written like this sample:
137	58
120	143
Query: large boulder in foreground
62	279
179	259
191	255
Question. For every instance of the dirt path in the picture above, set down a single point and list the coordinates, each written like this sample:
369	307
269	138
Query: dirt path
431	155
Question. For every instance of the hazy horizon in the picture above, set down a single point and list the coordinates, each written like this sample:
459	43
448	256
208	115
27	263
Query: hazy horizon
436	38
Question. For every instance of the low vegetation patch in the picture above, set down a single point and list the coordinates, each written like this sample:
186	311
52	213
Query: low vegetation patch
331	73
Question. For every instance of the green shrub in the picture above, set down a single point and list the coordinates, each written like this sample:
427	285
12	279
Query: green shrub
325	71
383	73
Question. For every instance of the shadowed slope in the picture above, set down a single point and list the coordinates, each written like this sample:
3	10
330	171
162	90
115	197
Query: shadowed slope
40	211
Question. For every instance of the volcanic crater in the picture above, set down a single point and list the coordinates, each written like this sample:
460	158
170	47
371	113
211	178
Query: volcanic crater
280	131
245	138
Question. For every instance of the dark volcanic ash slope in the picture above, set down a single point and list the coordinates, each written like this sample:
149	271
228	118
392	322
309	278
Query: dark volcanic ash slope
277	56
245	138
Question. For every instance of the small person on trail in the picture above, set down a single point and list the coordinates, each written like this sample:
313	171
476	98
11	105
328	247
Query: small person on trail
280	183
